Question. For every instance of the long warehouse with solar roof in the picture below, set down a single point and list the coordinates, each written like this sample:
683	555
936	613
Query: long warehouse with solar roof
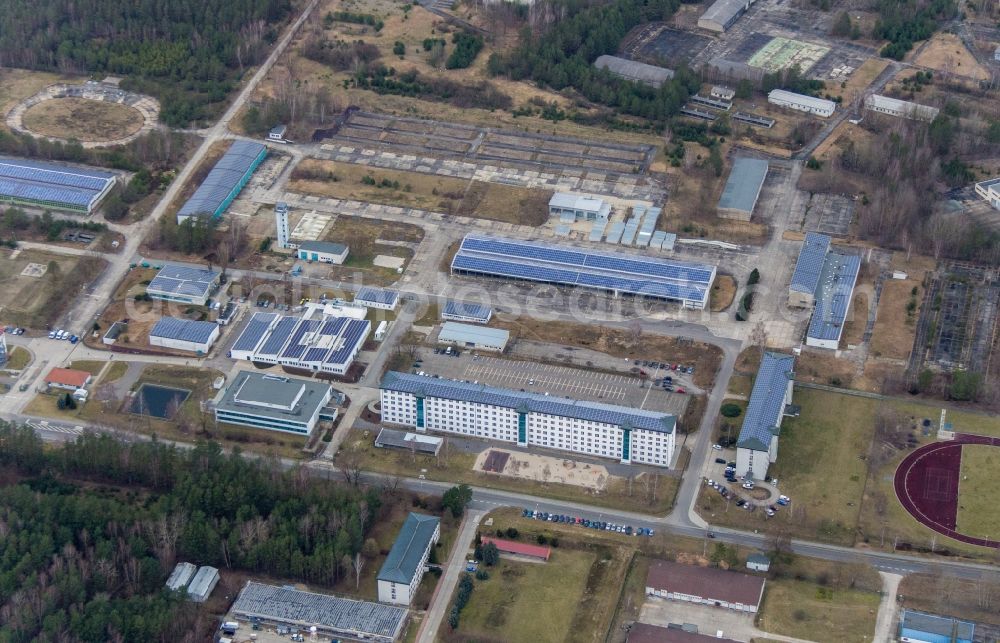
317	341
224	181
626	434
48	185
617	273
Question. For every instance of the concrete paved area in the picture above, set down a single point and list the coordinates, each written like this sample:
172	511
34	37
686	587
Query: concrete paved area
738	626
885	625
449	579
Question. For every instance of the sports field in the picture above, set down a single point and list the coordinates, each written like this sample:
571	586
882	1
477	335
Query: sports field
978	513
783	53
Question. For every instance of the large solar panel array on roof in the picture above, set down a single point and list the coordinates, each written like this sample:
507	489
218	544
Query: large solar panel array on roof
330	614
299	341
376	296
549	404
628	274
464	310
33	181
833	296
174	279
226	178
767	401
354	333
187	330
809	265
254	332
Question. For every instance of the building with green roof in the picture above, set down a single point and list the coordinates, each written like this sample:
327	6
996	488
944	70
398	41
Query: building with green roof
404	566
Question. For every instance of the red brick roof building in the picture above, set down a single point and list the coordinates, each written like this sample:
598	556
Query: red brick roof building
643	633
520	549
704	585
67	378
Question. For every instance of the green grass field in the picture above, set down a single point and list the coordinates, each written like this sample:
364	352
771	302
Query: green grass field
961	421
809	611
528	601
17	359
978	514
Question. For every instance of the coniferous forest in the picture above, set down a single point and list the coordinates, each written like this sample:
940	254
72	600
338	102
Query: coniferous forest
89	532
187	53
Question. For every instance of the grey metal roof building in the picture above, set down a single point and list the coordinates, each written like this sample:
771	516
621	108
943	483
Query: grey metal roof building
466	312
618	273
739	197
273	402
393	439
809	265
921	626
901	108
184	334
49	185
377	298
468	336
767	401
203	583
421	386
833	299
635	71
183	283
181	576
329	247
224	181
406	556
331	615
722	14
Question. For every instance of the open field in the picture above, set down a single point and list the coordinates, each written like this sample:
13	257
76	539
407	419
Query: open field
946	52
512	204
92	366
17	359
82	119
524	601
36	302
896	322
115	372
829	436
810	611
971	599
705	358
978	514
453	465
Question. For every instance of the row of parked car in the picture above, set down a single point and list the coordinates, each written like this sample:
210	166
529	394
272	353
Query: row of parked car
586	523
62	334
665	366
13	330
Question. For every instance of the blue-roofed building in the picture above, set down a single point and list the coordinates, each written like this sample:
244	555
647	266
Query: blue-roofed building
407	560
808	267
50	185
921	627
224	181
377	298
183	284
319	341
757	446
528	419
833	300
184	334
466	312
611	272
739	197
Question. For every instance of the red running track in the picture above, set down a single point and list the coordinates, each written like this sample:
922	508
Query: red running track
926	484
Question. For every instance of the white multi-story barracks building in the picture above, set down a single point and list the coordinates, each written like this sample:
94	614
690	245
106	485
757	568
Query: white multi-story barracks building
529	419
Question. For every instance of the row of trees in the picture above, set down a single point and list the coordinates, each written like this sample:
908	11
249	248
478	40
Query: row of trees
80	564
188	53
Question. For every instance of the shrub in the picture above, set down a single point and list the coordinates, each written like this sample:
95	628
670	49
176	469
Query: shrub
754	277
731	410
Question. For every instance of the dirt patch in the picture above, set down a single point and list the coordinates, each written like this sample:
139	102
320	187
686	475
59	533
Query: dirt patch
82	119
946	52
896	324
821	367
723	292
857	320
543	468
512	204
620	343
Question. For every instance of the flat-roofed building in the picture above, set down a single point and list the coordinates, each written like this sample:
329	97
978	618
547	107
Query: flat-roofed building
51	185
274	402
570	207
465	312
529	419
380	298
474	337
757	445
405	565
808	268
704	586
634	70
184	284
184	334
900	108
922	627
323	252
406	441
801	102
989	191
332	616
722	14
739	197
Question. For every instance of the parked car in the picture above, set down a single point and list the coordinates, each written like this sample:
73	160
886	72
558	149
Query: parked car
681	390
748	485
717	447
720	461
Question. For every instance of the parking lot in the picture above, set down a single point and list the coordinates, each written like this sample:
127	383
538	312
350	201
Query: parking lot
710	620
596	386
